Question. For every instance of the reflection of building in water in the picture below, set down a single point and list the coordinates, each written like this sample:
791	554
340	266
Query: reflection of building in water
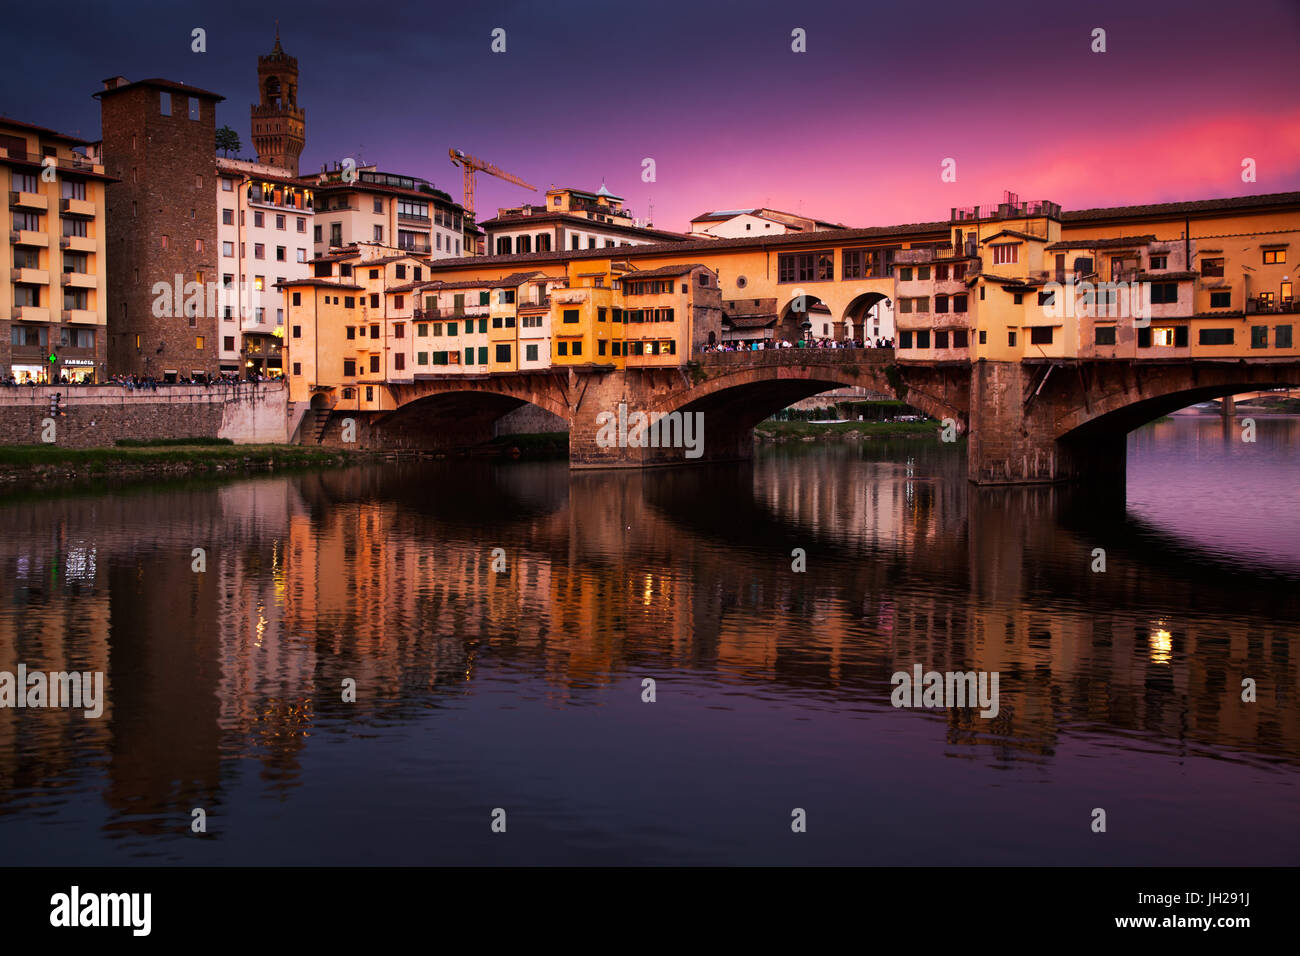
57	620
265	684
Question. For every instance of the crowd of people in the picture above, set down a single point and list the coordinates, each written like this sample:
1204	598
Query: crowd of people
146	382
759	345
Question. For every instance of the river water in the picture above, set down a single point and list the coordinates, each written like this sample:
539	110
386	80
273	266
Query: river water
522	691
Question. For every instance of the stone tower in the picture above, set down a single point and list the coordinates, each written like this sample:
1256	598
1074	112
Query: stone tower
279	125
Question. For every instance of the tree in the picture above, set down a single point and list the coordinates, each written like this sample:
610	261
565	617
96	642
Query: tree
228	141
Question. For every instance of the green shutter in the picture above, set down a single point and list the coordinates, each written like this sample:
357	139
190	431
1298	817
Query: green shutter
482	355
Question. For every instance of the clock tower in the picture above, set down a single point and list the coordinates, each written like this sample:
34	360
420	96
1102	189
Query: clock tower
279	125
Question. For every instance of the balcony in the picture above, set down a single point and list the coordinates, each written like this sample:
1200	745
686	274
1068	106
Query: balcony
76	162
81	315
1262	306
450	312
79	280
416	249
77	244
30	313
31	276
77	207
29	237
33	201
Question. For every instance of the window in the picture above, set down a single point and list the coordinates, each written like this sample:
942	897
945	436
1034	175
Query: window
984	337
379	206
570	315
399	330
259	218
198	342
1040	335
399	360
960	339
259	250
228	249
351	332
530	352
194	108
374	331
165	103
297	331
315	233
503	352
923	273
1011	339
279	254
1220	300
1005	253
577	348
904	339
297	298
1259	336
1164	293
259	283
1103	335
941	339
805	267
374	363
1212	267
227	217
1215	337
226	184
302	224
959	303
905	274
561	348
1282	336
1159	262
1274	257
940	303
379	231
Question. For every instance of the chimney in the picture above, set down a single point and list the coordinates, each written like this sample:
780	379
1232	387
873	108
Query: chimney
113	82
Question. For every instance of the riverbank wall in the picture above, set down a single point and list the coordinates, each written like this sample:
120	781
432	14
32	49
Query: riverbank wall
97	416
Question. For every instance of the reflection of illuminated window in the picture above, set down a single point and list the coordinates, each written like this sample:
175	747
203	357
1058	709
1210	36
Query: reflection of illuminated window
1161	644
1163	336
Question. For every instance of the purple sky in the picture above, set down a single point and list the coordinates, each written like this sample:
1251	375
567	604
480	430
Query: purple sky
854	130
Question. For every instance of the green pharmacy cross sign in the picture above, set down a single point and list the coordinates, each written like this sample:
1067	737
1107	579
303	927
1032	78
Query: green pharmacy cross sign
53	358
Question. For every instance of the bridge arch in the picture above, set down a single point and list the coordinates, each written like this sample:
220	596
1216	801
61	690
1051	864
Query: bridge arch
1125	406
870	314
805	314
736	391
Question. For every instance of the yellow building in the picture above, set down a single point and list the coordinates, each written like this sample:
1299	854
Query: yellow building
52	277
1022	280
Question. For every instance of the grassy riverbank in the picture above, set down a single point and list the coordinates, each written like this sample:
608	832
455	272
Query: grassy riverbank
841	431
54	463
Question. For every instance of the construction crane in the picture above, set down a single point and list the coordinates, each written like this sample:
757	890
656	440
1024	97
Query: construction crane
471	165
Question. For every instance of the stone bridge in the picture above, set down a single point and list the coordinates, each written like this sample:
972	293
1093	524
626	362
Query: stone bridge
1028	422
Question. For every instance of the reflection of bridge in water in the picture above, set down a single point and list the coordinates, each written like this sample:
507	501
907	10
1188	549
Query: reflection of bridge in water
384	575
